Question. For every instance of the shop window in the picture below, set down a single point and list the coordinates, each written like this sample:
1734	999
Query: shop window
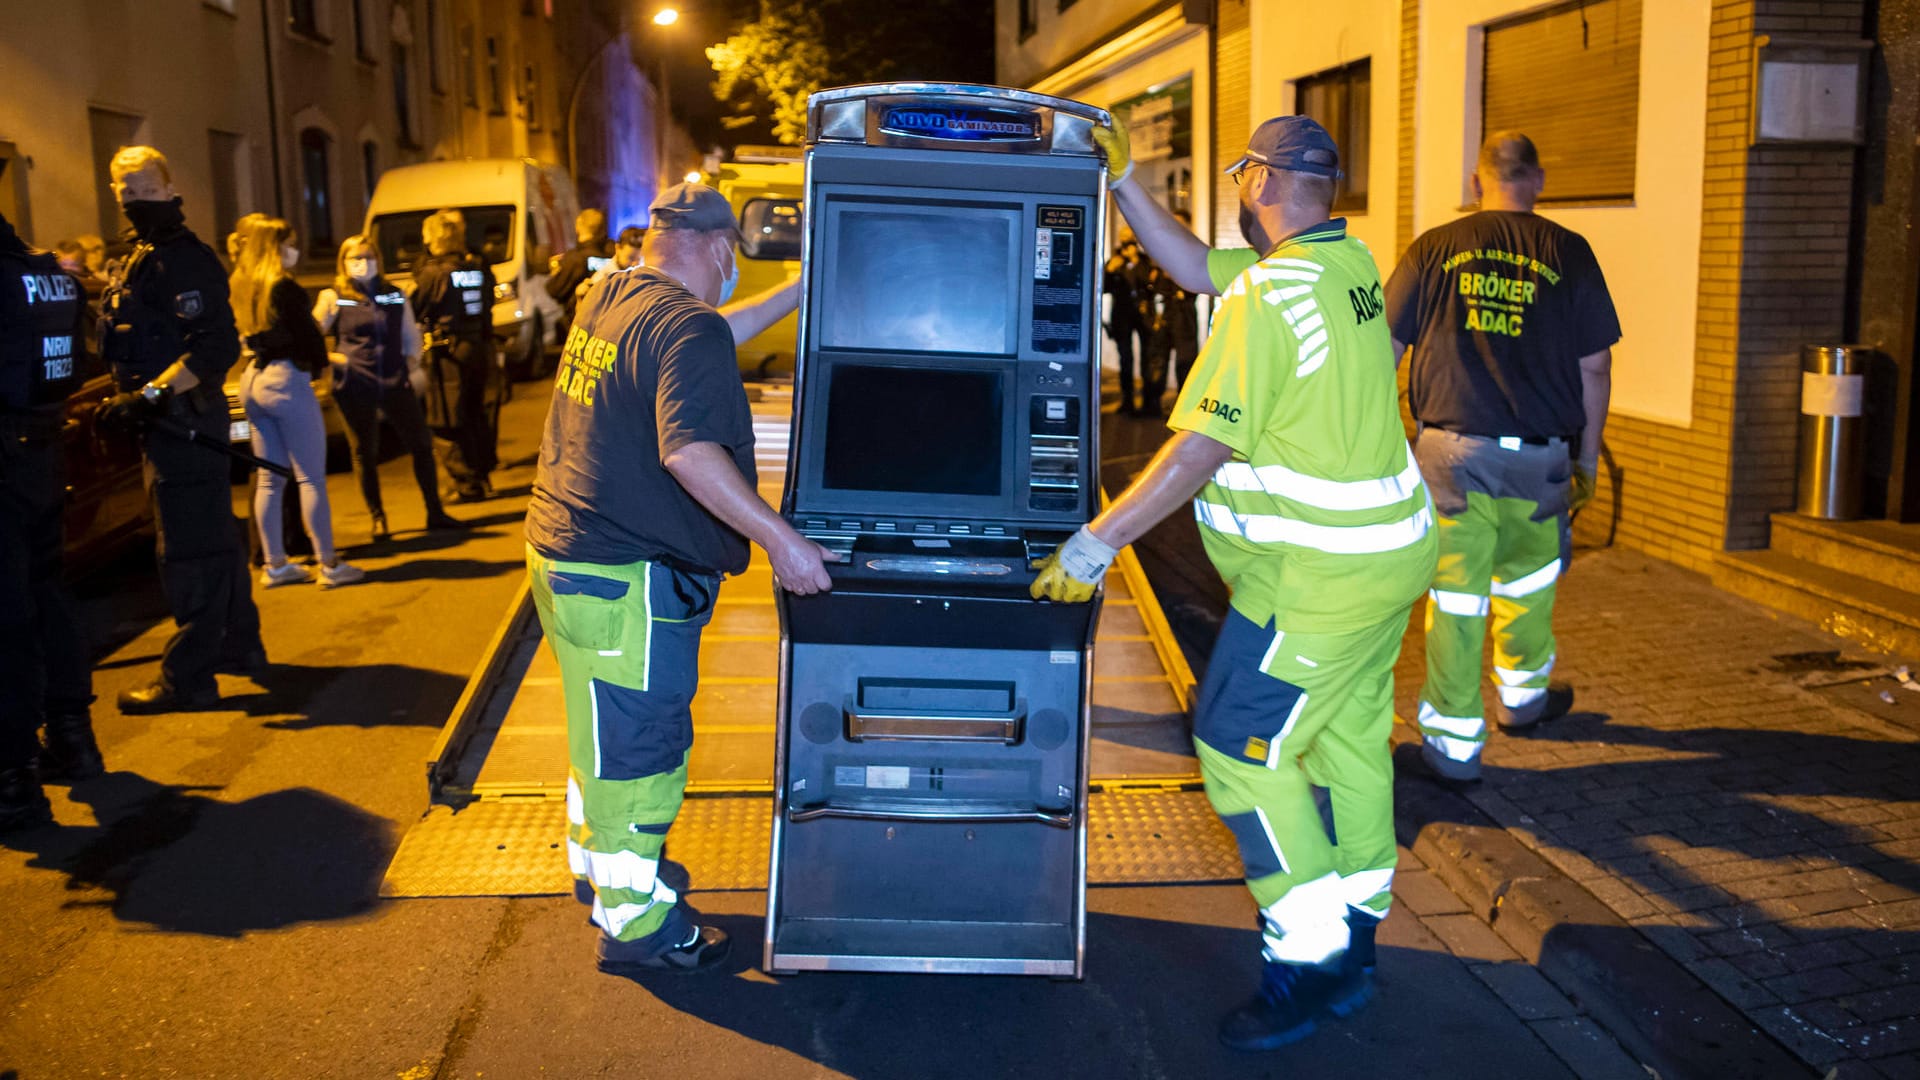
1569	77
1342	101
316	190
1160	128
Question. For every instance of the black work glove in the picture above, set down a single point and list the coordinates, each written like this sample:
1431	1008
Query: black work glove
124	413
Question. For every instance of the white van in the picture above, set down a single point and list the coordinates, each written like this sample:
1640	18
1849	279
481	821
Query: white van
518	212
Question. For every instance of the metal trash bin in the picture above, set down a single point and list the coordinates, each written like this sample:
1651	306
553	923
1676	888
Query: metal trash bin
1832	432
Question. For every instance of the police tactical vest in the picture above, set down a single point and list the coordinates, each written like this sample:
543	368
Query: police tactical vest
461	305
368	330
39	343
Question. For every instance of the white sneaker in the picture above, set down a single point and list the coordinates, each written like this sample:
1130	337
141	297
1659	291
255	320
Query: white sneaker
285	574
340	573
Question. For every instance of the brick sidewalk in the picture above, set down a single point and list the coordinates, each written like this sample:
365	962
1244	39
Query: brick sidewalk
1764	835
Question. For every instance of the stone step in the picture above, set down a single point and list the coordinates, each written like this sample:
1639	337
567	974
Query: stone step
1879	616
1883	551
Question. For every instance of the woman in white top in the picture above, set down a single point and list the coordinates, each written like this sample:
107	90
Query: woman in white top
377	373
275	318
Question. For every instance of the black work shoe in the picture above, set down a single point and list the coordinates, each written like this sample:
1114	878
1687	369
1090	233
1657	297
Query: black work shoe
71	754
707	948
161	698
1412	760
1557	703
22	804
1292	1000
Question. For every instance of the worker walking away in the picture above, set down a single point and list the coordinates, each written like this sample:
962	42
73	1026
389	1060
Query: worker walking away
1512	330
43	653
643	498
168	335
1310	507
453	299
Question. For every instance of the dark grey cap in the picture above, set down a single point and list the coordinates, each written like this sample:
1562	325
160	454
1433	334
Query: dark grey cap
1293	143
692	206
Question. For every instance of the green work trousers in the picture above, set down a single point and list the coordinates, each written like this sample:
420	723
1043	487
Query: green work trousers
1502	508
1291	730
628	642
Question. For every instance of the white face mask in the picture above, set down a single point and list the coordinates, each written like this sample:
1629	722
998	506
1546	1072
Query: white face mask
361	269
289	256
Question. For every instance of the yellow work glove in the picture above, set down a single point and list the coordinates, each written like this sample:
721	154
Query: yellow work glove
1113	142
1074	570
1582	488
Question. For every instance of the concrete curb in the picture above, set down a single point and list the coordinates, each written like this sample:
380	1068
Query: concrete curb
1659	1011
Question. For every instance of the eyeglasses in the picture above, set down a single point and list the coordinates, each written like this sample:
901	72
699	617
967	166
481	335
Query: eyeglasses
1242	172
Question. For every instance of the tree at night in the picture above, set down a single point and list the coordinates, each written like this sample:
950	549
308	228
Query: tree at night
766	68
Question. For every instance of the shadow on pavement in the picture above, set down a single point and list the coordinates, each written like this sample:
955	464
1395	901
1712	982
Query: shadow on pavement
1153	997
446	570
181	861
348	688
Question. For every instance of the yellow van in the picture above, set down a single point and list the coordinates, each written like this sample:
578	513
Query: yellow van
763	184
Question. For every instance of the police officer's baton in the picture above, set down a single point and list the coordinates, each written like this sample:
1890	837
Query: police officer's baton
181	431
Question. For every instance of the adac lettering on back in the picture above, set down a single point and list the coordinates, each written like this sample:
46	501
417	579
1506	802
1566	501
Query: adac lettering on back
1367	303
1229	413
49	288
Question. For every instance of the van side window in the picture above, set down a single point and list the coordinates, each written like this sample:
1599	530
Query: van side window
770	229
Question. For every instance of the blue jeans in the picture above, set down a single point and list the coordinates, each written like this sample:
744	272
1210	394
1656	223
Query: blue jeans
288	429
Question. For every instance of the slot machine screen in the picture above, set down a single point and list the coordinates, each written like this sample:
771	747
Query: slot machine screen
897	429
929	279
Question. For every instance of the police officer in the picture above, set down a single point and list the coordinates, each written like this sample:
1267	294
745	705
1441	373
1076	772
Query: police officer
453	299
1175	342
644	496
1310	507
592	252
168	334
43	654
1512	331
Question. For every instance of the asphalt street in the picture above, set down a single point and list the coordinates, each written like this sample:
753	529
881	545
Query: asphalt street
210	909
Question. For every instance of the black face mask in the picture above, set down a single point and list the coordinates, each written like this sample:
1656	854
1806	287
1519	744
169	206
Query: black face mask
151	215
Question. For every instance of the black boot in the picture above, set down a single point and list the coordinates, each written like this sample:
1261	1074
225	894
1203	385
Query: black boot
1292	1000
438	519
22	804
161	698
1360	931
71	753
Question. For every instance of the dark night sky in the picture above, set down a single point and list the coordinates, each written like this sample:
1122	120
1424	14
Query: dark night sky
920	39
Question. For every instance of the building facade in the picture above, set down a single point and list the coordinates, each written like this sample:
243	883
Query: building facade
295	107
1728	240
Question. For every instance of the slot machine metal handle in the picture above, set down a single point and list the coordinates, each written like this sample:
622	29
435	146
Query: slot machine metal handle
1059	819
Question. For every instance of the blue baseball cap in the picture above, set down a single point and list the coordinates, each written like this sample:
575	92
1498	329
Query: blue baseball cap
692	206
1293	143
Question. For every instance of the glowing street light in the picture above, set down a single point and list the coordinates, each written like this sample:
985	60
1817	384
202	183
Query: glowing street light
666	17
693	177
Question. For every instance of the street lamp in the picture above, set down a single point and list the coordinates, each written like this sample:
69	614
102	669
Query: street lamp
665	17
693	177
663	99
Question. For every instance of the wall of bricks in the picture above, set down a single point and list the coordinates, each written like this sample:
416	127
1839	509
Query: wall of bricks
1232	109
1773	267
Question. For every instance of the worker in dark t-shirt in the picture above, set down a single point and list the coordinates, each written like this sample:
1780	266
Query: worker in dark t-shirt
644	496
1512	329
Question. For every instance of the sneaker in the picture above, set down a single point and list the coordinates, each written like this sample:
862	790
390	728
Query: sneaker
285	574
340	573
705	949
1292	1000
